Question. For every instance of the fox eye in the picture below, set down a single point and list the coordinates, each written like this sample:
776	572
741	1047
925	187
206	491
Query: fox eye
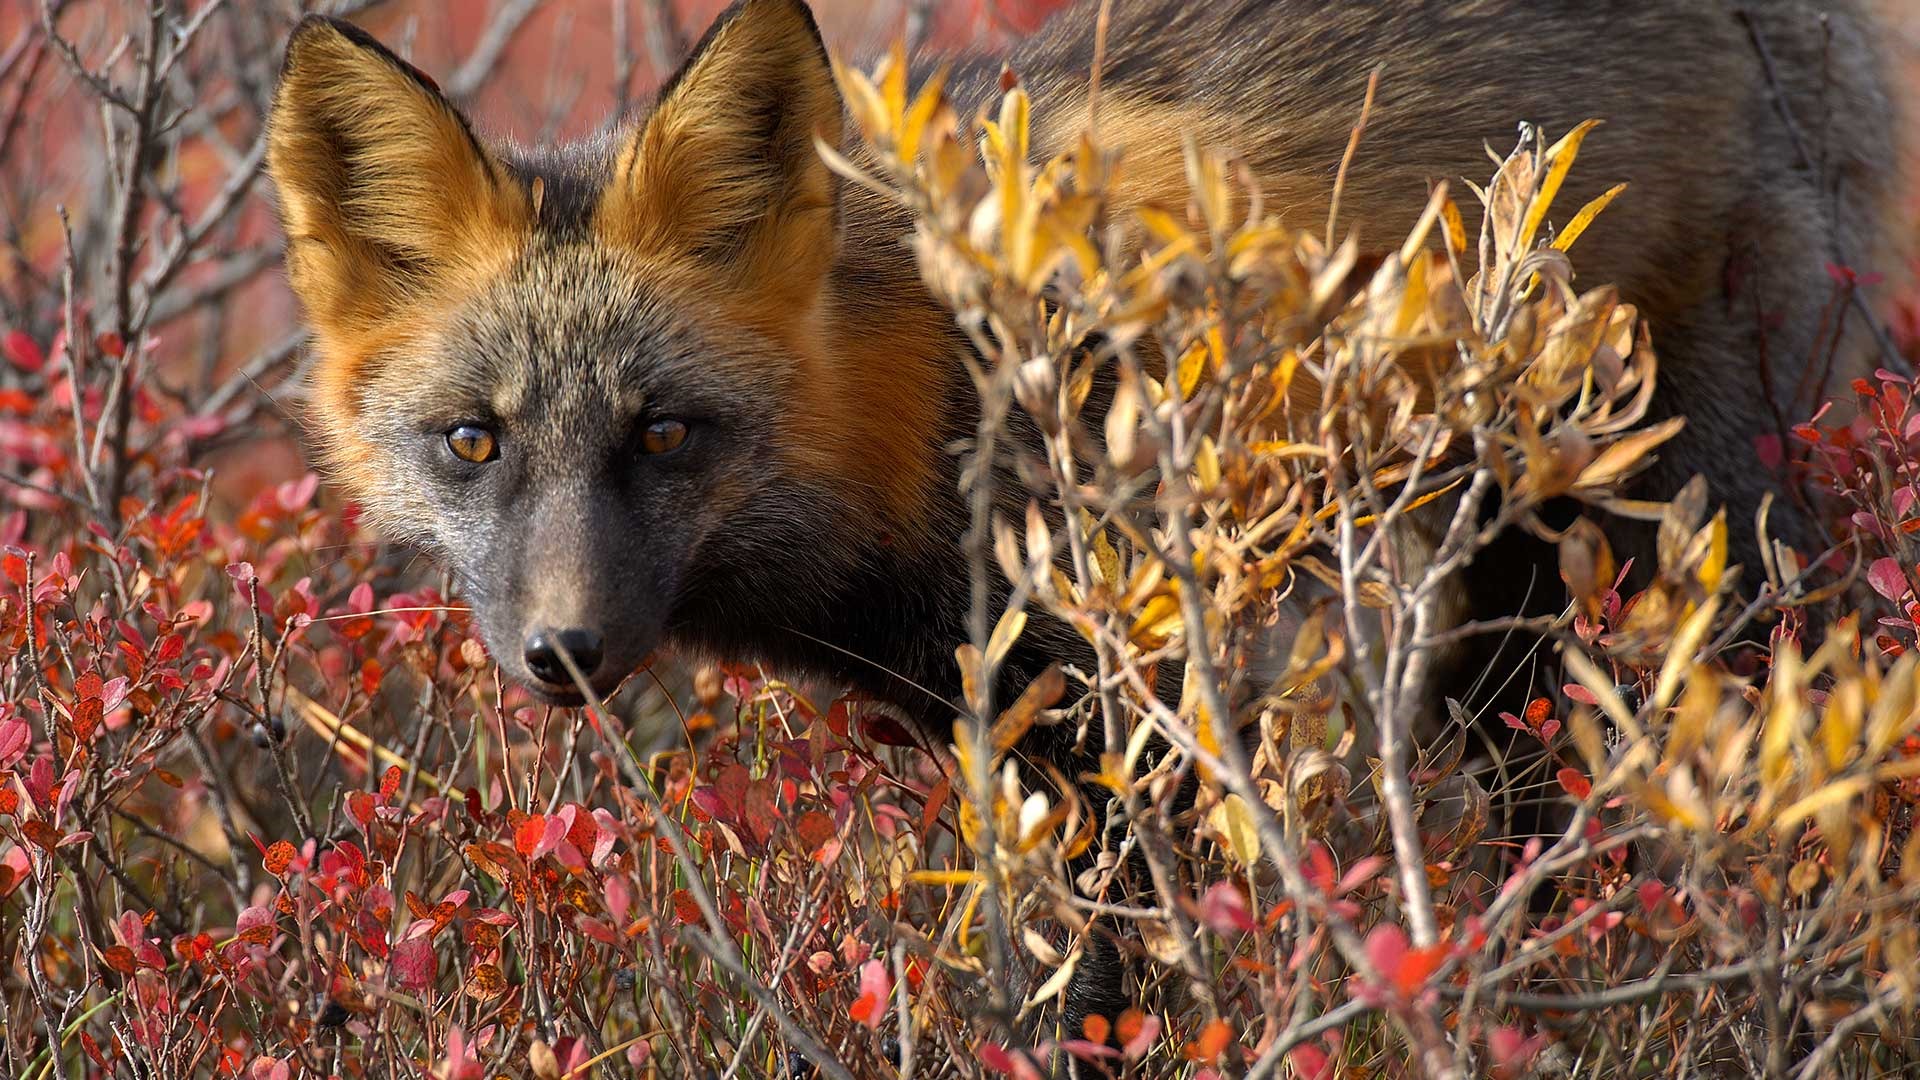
470	442
663	436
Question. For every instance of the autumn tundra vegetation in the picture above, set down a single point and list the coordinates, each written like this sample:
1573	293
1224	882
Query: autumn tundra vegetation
269	809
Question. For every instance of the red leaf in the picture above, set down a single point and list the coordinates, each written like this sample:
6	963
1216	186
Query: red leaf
414	963
994	1057
619	897
360	806
1319	868
814	829
1887	578
731	786
1224	910
762	810
685	906
871	1007
255	926
582	832
22	351
15	737
1310	1062
1580	694
1575	782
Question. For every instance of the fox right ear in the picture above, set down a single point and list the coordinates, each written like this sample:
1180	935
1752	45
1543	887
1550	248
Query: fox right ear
385	194
724	170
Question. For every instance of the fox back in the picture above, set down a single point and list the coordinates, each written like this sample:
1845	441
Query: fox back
680	386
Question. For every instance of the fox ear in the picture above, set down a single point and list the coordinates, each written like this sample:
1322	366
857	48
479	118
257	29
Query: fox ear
385	194
725	169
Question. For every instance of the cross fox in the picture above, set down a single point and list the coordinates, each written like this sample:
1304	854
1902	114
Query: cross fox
681	386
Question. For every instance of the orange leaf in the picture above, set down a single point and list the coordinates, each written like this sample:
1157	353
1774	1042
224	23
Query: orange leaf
484	983
527	836
1129	1024
1096	1028
1212	1042
1417	967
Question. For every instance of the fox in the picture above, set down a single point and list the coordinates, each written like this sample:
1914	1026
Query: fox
679	385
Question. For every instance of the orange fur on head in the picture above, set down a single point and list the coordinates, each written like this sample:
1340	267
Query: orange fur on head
725	170
389	202
723	197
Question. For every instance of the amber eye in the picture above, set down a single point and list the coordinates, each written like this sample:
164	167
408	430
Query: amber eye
470	442
663	436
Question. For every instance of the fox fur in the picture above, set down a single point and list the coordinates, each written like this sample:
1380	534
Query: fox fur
704	267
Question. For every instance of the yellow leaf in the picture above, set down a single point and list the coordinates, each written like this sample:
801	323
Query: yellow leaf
863	100
1585	218
966	914
1894	712
1783	722
1687	813
1106	561
1014	110
1834	794
1233	819
1136	745
969	660
1840	727
1192	364
1559	160
1680	652
944	877
1206	463
1282	449
1627	455
1159	619
1456	227
893	81
1163	226
1005	633
914	125
1714	566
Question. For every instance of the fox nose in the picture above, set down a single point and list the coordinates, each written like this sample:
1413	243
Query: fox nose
545	647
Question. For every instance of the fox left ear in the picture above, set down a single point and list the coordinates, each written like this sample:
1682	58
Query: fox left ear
725	169
384	191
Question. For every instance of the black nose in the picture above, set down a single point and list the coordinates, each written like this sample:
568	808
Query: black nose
544	649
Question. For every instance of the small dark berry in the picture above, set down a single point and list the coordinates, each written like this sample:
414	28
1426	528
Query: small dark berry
1629	694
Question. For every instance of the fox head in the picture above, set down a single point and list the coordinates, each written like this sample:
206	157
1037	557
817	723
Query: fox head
630	392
